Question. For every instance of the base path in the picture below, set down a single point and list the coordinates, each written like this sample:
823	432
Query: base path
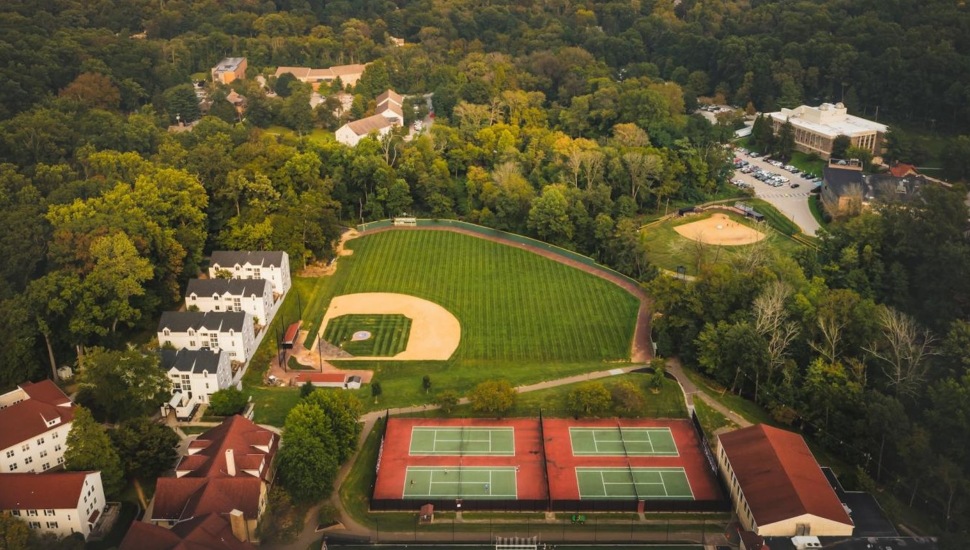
642	348
720	229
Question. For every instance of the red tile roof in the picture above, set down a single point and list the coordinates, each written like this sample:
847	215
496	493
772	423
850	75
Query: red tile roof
212	531
901	170
779	477
28	419
208	487
52	490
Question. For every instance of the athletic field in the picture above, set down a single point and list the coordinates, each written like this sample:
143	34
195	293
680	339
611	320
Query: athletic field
639	483
618	441
462	482
462	441
369	335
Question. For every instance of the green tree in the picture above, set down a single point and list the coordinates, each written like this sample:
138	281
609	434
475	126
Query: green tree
227	402
181	104
307	468
282	86
94	91
493	397
306	389
122	384
588	399
447	400
785	141
426	383
375	390
90	448
549	218
342	410
118	276
14	533
146	448
627	397
840	145
659	367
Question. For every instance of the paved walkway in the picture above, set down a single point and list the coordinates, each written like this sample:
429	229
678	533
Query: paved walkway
353	528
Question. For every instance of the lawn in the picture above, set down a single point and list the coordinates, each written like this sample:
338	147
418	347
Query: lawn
667	249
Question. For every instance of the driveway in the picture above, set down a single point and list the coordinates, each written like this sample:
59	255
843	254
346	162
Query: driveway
790	202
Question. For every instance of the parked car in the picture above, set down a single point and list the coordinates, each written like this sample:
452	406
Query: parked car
794	185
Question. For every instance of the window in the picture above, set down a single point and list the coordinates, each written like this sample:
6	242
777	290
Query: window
167	332
237	304
13	466
34	525
48	512
31	513
10	453
43	454
47	466
56	435
214	339
52	525
57	448
28	460
16	513
40	440
191	343
25	447
60	460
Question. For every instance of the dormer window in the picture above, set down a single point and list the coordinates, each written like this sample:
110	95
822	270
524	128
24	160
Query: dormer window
192	297
191	332
166	332
215	296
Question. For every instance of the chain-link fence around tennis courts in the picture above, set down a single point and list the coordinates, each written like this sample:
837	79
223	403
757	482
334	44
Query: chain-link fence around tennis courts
489	232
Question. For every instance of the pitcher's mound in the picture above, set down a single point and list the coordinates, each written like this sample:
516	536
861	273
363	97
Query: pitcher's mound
720	229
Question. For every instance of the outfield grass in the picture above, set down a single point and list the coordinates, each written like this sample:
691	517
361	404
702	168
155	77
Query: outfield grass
388	334
668	250
513	305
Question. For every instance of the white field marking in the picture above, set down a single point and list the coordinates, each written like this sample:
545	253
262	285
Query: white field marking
445	431
604	432
605	483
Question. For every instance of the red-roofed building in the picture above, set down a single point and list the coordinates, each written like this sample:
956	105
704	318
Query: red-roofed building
901	170
329	380
212	531
777	487
57	502
35	419
227	468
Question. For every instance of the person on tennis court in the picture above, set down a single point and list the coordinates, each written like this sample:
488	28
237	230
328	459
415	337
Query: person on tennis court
412	483
486	486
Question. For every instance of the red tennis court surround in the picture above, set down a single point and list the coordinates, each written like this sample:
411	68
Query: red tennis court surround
396	455
542	461
561	463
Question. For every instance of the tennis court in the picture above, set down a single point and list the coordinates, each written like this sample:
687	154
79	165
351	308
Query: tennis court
620	441
462	441
471	482
638	483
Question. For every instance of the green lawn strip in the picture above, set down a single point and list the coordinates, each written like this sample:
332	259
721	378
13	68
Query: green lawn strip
711	420
807	162
194	430
815	206
774	217
273	403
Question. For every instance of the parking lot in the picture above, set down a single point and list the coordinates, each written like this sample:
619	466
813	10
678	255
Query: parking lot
789	197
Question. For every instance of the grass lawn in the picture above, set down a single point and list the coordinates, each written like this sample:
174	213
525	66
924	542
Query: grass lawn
667	249
711	420
388	334
815	206
272	404
812	164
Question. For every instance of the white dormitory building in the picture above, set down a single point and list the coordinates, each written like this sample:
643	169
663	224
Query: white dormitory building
274	266
254	296
817	127
195	376
35	419
229	331
61	503
388	115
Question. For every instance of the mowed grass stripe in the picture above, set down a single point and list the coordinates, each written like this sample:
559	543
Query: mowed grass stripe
513	305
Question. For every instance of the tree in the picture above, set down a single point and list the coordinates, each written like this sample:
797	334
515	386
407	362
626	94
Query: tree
772	323
90	448
282	86
181	104
785	141
902	351
627	397
840	145
227	402
447	400
549	218
659	367
588	399
94	91
14	533
146	448
119	274
123	384
375	390
306	389
342	410
493	397
426	383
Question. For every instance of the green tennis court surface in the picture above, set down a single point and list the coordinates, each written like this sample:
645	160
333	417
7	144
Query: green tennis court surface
623	442
449	441
460	482
644	483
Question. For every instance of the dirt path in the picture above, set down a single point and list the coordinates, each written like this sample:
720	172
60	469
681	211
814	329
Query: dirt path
642	348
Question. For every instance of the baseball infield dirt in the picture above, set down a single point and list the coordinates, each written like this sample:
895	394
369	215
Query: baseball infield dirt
720	229
435	332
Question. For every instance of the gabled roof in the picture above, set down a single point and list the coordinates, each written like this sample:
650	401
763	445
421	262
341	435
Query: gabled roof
298	72
28	418
370	124
188	360
229	258
231	287
390	95
344	70
50	490
211	531
901	170
207	487
779	477
219	321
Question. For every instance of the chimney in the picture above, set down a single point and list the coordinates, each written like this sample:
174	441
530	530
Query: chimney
238	523
230	463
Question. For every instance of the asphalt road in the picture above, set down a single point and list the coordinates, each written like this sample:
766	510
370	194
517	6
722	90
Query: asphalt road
790	202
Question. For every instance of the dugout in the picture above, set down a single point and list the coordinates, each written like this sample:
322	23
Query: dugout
686	210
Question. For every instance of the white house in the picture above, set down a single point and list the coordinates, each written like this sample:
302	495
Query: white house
55	502
195	375
230	331
254	296
274	266
34	422
390	105
351	133
777	488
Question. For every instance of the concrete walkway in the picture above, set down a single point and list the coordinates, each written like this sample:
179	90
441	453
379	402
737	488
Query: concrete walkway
604	531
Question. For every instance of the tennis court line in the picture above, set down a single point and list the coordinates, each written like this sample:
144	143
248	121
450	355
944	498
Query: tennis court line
462	441
597	432
457	483
606	484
